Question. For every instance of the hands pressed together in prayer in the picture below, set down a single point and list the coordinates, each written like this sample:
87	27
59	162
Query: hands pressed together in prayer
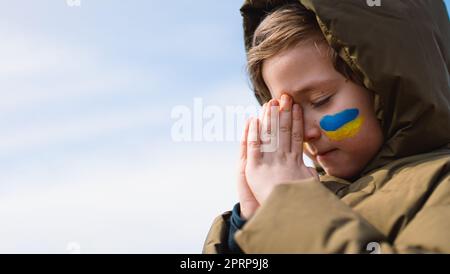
271	153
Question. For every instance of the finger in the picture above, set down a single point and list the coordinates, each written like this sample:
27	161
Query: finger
267	116
263	124
297	130
243	157
273	122
243	147
262	112
246	198
242	183
253	141
285	133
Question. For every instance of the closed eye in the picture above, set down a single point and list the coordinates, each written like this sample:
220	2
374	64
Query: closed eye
322	102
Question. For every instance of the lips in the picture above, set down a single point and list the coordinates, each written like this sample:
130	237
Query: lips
323	152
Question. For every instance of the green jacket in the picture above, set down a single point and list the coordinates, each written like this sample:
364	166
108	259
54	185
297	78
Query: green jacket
401	200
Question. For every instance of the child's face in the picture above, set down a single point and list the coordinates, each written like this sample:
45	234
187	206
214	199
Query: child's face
338	115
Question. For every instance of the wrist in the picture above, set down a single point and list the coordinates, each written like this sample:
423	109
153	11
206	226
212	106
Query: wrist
247	211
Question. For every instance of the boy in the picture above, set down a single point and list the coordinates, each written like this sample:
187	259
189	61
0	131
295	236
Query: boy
364	92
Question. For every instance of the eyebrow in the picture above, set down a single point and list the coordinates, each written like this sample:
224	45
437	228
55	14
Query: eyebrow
314	85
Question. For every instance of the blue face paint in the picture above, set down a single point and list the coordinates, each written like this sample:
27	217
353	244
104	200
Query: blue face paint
334	122
342	125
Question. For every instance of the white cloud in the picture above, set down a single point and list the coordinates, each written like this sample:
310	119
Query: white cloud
41	75
158	198
26	54
199	40
147	203
37	70
82	127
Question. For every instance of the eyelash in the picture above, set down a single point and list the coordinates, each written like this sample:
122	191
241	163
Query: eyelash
320	103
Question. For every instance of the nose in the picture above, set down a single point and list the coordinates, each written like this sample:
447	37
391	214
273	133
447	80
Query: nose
311	130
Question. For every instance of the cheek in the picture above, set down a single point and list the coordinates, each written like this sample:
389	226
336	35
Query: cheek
343	125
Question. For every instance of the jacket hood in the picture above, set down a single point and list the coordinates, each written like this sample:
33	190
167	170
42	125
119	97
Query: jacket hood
401	51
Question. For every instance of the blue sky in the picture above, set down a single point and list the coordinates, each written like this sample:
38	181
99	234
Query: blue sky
86	154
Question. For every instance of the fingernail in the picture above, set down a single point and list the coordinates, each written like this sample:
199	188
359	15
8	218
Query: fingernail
274	102
285	103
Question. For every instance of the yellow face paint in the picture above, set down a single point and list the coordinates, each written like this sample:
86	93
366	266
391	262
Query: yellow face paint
342	125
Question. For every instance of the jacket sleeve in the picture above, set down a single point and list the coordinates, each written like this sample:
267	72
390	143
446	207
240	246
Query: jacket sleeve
429	231
236	223
220	238
216	240
305	217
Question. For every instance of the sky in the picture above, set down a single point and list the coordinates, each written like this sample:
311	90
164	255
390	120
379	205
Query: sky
90	94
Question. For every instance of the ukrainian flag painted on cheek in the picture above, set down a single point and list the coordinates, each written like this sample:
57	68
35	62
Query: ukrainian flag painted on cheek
342	125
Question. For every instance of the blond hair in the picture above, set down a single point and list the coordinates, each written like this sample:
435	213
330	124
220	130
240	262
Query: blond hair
283	29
